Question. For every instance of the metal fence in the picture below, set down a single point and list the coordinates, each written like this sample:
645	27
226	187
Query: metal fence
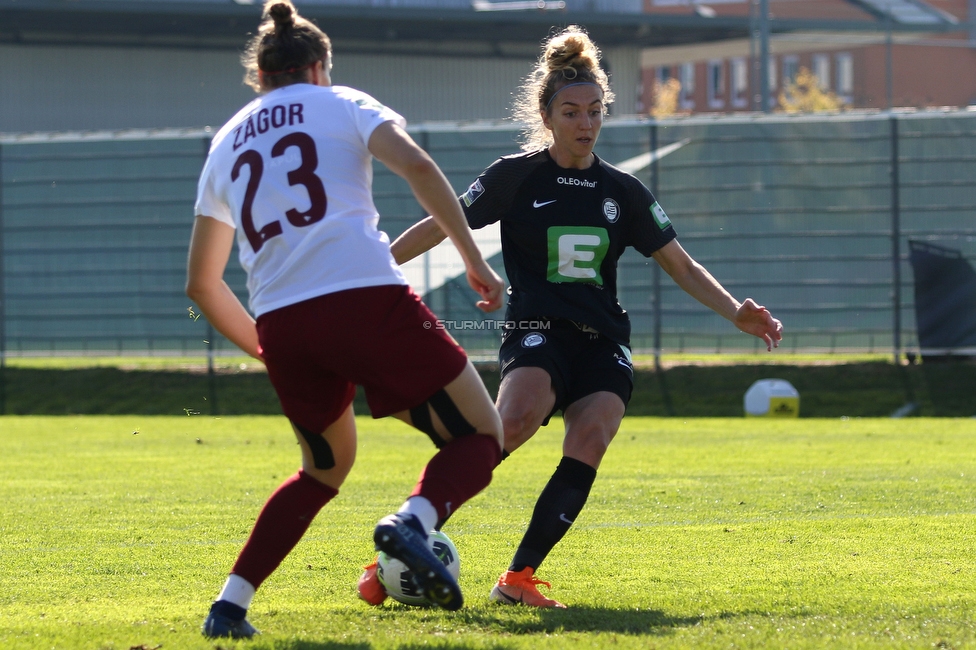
808	215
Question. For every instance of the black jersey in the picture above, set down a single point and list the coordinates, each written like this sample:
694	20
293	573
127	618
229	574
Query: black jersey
562	232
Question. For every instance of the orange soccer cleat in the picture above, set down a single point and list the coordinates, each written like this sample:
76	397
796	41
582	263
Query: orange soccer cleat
369	586
519	588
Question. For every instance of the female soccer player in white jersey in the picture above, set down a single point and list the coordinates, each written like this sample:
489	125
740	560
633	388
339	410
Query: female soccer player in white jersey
566	218
291	175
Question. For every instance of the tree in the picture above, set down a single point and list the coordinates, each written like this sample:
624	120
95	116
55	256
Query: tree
805	94
666	98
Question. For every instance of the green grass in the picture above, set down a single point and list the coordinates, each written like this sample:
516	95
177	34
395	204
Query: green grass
232	362
193	363
116	532
761	357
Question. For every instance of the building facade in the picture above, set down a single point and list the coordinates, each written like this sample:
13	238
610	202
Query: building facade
862	70
145	64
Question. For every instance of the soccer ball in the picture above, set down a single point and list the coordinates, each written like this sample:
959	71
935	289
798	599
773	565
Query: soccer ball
397	579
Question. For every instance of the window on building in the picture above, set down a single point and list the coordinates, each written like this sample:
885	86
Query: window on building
687	79
845	75
740	82
716	84
664	73
791	66
821	70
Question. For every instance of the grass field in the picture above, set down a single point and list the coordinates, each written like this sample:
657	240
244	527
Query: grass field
233	362
117	531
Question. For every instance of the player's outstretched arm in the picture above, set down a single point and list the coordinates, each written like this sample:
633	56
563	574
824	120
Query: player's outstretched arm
700	285
417	240
483	279
210	248
396	149
424	235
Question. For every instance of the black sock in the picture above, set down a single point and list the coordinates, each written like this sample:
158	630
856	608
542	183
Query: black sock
229	609
557	508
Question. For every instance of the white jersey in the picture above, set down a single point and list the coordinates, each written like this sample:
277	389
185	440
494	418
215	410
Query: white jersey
292	173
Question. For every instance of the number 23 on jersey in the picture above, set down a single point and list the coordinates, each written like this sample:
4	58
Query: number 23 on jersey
303	175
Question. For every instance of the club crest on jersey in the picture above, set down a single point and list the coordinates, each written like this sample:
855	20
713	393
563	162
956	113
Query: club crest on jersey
659	216
611	210
533	340
476	190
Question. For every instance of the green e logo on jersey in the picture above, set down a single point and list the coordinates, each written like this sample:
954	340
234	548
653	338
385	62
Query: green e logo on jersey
576	253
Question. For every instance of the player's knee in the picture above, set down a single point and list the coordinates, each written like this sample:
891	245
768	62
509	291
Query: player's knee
454	423
320	449
594	436
493	428
518	424
334	477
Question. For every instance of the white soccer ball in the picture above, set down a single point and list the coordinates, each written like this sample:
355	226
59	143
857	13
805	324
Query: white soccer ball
396	578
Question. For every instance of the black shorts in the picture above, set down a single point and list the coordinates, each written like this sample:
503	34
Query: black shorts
579	362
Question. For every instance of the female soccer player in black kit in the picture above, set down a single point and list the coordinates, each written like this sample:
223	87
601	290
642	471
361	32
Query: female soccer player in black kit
566	218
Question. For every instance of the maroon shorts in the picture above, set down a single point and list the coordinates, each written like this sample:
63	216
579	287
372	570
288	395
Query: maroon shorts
382	338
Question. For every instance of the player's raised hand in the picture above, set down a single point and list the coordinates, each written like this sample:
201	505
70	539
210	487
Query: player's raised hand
488	284
756	320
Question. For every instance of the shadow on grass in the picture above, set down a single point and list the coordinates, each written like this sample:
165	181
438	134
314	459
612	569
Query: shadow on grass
320	645
527	622
581	619
874	389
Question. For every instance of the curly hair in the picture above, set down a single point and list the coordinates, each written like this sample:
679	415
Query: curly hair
568	57
285	46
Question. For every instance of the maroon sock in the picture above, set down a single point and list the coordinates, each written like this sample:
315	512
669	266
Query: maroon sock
460	470
282	522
